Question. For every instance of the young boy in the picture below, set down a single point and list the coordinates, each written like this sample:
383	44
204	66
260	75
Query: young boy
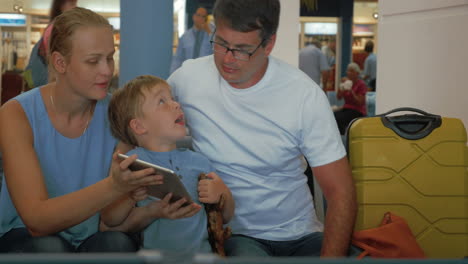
145	115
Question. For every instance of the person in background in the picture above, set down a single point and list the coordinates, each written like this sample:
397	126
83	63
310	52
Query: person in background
330	53
353	90
57	149
369	75
36	73
195	42
255	117
144	114
330	50
313	62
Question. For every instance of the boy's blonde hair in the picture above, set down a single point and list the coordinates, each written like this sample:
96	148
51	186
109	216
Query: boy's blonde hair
126	104
67	23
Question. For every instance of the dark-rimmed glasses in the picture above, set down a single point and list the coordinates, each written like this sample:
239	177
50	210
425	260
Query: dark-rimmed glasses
239	54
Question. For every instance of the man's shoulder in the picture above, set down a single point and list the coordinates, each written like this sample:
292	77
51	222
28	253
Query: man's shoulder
196	67
187	32
282	69
371	57
280	64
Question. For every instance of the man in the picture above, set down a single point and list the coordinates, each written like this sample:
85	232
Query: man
195	42
254	117
330	50
313	62
370	66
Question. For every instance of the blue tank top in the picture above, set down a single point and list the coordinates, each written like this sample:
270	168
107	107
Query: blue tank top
67	164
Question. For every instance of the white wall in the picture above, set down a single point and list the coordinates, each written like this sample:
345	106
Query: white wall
287	40
423	56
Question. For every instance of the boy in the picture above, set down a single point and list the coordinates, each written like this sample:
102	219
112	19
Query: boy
145	115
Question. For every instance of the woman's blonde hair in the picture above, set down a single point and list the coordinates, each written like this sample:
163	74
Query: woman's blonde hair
126	104
67	23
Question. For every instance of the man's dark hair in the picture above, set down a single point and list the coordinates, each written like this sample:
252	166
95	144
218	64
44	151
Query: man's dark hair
369	47
249	15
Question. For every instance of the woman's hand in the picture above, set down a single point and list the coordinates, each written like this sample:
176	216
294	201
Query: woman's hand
139	194
210	190
126	180
164	209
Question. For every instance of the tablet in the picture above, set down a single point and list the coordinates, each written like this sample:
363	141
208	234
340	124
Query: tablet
171	182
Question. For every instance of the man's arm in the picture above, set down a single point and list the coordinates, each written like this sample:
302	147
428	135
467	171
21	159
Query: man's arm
337	185
324	69
325	76
365	72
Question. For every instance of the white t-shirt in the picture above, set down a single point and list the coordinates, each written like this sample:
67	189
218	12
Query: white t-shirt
256	137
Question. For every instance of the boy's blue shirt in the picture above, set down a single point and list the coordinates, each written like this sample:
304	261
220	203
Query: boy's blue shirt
187	235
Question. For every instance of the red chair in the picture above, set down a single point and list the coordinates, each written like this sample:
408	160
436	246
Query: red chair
12	85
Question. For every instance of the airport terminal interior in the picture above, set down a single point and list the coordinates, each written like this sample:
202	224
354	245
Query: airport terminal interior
406	142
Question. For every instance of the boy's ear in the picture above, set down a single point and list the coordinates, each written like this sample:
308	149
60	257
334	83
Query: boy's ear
58	62
137	126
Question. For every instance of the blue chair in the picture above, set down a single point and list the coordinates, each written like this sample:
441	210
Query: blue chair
370	103
334	102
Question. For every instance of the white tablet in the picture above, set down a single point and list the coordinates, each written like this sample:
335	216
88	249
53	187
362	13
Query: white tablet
171	181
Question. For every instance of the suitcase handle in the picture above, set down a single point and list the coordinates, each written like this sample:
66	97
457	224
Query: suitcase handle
408	109
412	127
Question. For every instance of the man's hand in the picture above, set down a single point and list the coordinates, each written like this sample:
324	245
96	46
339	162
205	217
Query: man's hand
206	27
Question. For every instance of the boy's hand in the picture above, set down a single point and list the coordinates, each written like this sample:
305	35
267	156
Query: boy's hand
164	209
210	190
139	194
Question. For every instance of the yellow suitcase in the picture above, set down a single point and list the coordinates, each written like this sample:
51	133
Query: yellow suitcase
416	166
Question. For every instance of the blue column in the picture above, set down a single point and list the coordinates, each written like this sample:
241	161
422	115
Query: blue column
346	13
146	34
190	8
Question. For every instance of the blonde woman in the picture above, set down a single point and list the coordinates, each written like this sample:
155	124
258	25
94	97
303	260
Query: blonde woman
58	149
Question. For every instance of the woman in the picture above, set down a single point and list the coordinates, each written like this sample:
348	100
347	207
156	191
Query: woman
57	149
353	90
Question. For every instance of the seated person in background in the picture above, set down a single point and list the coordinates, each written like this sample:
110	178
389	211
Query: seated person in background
144	114
57	149
353	90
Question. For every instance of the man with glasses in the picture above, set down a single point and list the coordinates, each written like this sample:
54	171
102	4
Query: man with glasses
194	43
255	117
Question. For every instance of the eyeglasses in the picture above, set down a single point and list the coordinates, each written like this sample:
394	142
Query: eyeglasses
239	54
198	15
